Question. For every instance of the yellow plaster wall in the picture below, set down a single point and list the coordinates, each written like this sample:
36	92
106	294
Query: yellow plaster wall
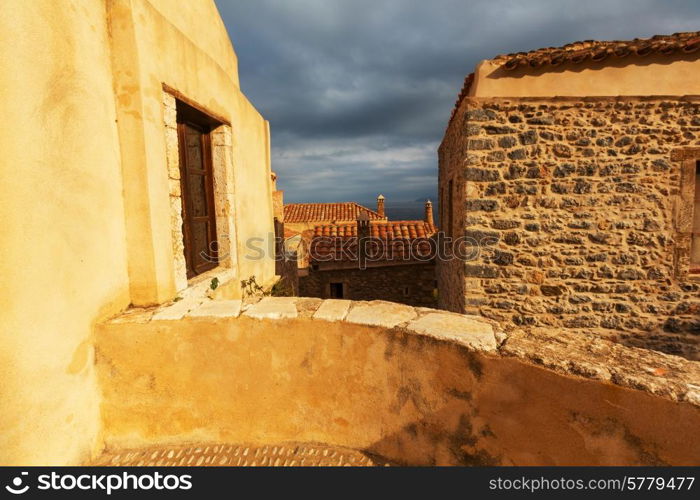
63	262
84	192
253	199
651	75
167	55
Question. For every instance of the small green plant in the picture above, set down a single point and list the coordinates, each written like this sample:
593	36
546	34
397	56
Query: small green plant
251	287
177	299
281	288
214	283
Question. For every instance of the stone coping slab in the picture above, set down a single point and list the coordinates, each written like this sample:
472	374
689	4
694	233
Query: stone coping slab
217	309
467	331
333	310
273	308
380	313
177	310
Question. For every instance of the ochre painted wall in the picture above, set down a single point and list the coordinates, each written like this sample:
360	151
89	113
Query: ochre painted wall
84	192
156	44
63	246
651	75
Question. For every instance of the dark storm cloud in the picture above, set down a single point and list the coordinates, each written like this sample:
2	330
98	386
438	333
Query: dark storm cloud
358	92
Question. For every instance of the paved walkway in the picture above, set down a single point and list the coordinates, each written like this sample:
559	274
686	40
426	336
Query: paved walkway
288	454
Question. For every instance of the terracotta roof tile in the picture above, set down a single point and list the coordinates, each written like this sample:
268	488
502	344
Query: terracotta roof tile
318	212
406	229
594	50
466	86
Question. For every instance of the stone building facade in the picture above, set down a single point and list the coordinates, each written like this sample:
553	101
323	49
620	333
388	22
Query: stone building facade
372	260
576	212
294	225
412	284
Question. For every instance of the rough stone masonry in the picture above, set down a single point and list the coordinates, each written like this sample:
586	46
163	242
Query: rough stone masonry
583	209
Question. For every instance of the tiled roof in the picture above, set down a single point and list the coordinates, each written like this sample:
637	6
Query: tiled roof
406	229
395	242
463	93
317	212
591	51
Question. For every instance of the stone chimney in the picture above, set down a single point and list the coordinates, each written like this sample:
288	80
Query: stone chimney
429	212
380	205
363	233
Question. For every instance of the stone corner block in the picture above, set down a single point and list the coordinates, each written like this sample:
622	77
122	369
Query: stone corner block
273	308
377	313
217	309
472	333
333	310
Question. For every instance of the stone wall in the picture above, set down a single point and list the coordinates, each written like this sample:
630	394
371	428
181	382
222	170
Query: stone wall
289	277
410	284
411	385
583	208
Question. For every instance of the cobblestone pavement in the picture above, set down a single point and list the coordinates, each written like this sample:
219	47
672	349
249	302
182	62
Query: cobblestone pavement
287	454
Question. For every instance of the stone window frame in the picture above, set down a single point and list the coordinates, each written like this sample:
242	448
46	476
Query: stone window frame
222	168
685	162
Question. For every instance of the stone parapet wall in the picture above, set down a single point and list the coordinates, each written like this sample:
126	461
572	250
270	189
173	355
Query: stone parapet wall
412	385
581	207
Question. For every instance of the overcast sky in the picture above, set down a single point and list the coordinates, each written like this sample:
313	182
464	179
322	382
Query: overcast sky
358	92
